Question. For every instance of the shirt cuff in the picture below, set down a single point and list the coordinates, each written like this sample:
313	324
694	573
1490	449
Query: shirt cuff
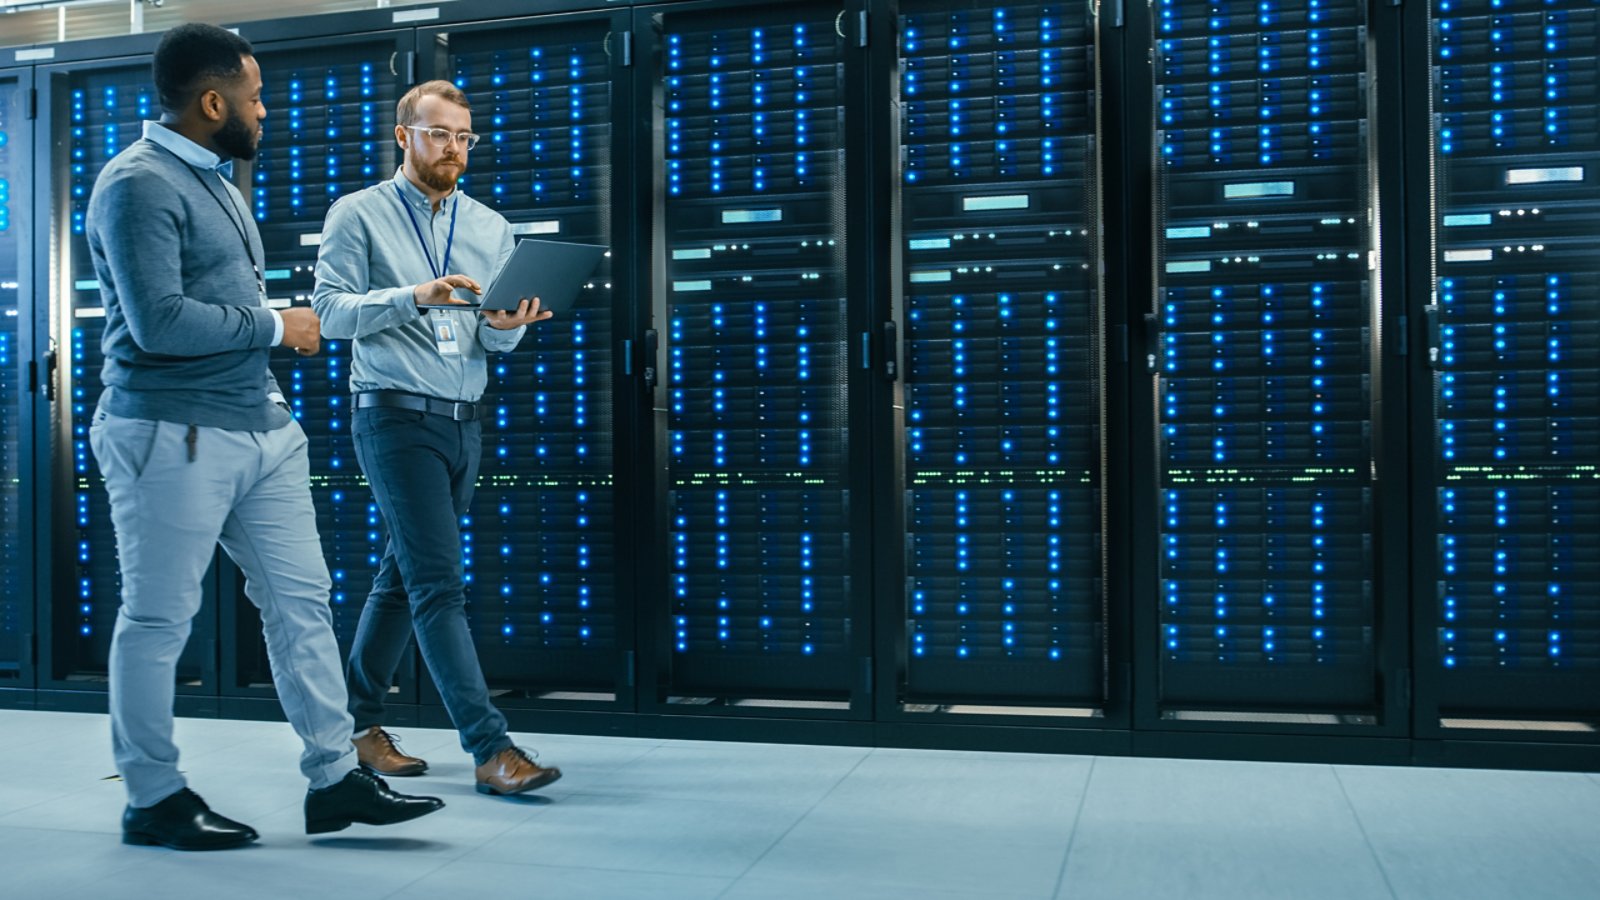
404	301
277	328
500	340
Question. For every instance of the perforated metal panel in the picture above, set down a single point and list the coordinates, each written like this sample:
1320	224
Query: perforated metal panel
329	132
543	563
16	614
1265	309
1000	224
757	452
1515	342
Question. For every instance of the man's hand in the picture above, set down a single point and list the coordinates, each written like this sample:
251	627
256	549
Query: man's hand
302	330
527	313
437	291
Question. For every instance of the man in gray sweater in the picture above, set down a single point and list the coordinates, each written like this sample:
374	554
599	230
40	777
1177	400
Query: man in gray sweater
196	447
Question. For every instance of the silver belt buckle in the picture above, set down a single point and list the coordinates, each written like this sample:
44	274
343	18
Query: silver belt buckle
465	412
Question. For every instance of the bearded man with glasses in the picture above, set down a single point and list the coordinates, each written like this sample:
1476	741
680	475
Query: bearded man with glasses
392	259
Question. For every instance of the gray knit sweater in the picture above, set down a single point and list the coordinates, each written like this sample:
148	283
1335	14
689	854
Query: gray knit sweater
187	336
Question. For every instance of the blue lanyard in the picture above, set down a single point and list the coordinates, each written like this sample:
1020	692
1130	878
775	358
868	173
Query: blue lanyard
438	271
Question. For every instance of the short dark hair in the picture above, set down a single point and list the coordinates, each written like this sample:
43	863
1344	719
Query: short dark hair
405	112
190	55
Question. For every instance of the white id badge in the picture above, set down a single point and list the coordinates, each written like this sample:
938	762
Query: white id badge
443	326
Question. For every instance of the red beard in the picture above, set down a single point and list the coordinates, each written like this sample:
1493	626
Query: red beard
440	176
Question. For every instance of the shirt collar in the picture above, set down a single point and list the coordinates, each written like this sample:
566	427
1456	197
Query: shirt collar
417	198
187	150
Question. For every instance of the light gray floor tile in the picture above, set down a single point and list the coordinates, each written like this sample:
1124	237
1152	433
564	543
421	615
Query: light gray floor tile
20	795
736	773
57	767
934	786
26	726
755	888
486	879
967	823
271	870
635	833
1155	828
96	809
1021	859
1463	834
38	864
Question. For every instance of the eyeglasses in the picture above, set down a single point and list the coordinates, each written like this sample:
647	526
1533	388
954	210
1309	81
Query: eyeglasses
443	137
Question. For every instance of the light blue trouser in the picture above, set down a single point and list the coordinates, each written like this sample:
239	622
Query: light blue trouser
250	491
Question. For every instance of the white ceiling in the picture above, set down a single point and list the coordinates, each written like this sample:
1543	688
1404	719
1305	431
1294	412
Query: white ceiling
24	22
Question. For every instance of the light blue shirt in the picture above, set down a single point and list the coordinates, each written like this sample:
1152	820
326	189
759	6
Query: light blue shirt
201	158
369	264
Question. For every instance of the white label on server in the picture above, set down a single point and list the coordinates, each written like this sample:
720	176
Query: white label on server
1544	176
426	14
750	216
1250	189
548	226
989	204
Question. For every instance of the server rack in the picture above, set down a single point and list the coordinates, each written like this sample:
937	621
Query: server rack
88	112
1265	605
758	589
329	131
999	513
550	534
16	389
1507	589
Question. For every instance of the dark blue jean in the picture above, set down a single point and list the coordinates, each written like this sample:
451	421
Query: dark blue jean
422	468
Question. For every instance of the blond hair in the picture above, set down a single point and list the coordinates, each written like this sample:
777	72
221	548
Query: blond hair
405	112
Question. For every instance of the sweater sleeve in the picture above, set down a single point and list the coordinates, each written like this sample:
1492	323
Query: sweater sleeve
138	226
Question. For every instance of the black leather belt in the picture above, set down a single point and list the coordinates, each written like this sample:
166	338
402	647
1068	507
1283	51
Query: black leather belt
459	410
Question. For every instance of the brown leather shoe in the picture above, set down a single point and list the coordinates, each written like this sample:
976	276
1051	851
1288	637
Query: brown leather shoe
513	771
377	750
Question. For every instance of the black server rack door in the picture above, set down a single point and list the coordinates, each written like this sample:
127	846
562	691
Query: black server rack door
758	597
542	537
95	112
1265	306
1514	616
16	598
329	131
1002	450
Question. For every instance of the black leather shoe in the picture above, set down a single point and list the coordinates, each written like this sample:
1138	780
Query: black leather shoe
183	822
362	797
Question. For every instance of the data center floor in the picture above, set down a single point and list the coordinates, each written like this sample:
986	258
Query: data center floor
658	819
